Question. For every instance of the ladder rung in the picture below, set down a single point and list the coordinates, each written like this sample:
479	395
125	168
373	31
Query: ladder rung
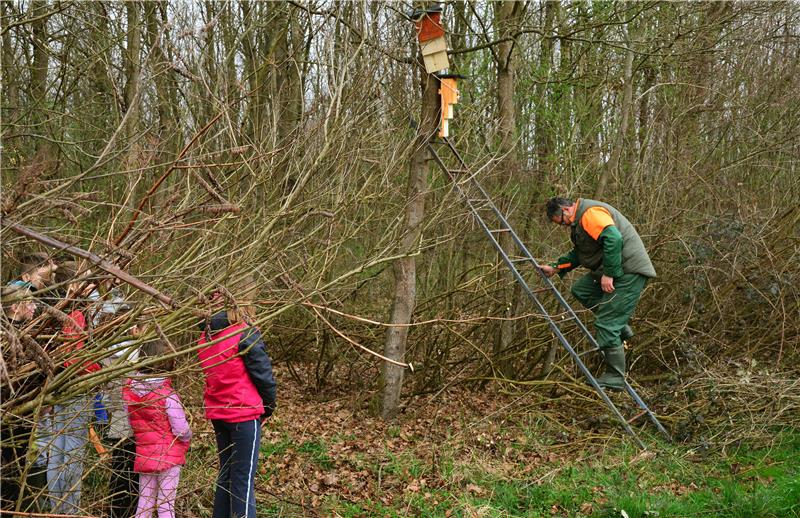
520	260
498	230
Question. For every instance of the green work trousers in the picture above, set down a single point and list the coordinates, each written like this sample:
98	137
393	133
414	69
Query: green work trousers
611	310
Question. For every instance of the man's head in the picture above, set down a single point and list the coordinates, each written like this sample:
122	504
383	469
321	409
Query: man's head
560	210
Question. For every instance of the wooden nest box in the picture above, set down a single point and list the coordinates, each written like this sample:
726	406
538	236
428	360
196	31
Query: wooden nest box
430	34
448	93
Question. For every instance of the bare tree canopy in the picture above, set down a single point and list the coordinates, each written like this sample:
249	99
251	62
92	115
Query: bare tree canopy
170	149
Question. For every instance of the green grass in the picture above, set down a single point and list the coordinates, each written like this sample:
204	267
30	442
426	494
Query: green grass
677	482
277	448
748	483
317	451
536	481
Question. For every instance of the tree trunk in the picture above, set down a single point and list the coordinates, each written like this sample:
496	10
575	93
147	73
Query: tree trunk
626	106
165	85
10	88
545	124
507	19
133	71
544	132
290	80
41	59
251	72
405	269
133	66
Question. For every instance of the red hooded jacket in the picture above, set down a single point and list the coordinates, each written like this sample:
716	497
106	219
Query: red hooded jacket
157	445
239	382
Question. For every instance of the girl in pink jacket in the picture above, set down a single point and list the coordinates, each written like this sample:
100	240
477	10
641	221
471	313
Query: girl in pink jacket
160	431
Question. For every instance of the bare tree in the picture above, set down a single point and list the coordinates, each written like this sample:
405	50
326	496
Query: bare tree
405	268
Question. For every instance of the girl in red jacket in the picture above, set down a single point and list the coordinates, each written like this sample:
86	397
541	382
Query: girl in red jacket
239	396
160	431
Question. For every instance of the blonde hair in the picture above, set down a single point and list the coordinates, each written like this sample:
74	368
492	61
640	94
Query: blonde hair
243	309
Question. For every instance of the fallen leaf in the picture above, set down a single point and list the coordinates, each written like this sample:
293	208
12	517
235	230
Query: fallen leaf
475	489
645	455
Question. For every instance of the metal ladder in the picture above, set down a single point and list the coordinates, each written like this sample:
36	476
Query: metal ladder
479	202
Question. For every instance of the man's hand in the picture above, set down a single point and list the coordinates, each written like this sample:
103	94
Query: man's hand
607	284
548	270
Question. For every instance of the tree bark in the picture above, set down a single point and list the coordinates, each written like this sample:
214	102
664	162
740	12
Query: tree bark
41	62
10	88
133	65
166	97
405	269
626	107
507	20
544	132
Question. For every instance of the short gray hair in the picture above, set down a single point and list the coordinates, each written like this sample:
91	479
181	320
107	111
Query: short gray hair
555	204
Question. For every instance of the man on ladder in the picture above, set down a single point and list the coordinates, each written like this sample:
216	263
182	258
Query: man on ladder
605	242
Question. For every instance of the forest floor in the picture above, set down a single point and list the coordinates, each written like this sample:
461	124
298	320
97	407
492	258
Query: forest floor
469	452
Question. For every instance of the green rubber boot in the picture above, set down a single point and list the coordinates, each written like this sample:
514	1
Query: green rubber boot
613	378
626	333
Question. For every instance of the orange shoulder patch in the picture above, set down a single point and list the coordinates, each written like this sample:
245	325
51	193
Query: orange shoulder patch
594	220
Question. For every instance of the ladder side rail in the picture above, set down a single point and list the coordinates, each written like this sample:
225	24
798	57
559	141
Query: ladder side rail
640	402
557	331
532	296
525	252
573	315
595	346
592	380
480	188
548	283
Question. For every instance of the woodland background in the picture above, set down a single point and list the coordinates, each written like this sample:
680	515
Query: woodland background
191	143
